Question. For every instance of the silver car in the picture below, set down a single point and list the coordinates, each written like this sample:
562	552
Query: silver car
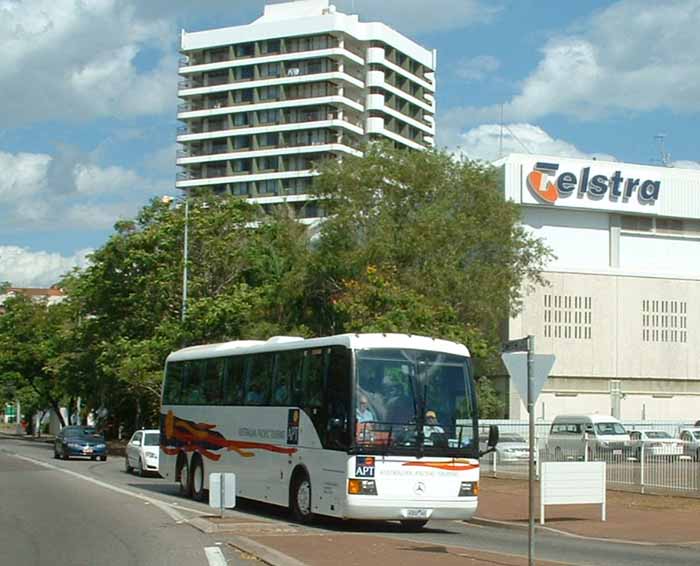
142	452
691	441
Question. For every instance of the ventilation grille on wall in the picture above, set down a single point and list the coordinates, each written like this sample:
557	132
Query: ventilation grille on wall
568	317
664	321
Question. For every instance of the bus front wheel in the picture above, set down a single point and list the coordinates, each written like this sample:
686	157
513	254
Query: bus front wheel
197	479
300	498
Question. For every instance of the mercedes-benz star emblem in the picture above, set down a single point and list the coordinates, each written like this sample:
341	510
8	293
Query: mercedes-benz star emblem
419	488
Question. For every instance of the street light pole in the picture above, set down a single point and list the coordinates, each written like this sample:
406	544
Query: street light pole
185	258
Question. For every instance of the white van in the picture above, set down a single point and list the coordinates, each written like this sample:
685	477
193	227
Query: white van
569	435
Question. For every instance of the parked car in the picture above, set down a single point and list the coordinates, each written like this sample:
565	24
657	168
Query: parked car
697	424
82	441
691	442
142	452
656	443
512	447
570	434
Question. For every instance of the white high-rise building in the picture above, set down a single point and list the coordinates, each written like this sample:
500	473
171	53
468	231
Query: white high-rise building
263	103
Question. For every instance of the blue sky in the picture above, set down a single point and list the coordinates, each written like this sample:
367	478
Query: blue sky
88	87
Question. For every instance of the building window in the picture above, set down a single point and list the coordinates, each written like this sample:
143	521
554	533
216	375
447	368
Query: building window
244	73
267	163
661	226
268	70
568	317
241	189
241	142
268	116
271	46
664	321
245	95
245	50
268	187
269	139
240	119
269	93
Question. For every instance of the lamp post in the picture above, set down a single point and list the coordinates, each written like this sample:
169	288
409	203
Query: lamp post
185	257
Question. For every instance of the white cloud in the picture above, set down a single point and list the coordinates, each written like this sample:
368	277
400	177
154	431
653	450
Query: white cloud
23	175
476	68
486	142
633	56
25	268
39	192
686	164
76	59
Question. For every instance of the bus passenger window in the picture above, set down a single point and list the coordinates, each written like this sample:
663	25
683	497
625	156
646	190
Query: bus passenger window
259	380
173	383
212	381
233	381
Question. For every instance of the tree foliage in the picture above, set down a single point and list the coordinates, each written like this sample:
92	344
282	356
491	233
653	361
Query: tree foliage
416	242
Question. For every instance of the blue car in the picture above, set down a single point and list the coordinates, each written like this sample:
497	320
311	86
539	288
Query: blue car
82	441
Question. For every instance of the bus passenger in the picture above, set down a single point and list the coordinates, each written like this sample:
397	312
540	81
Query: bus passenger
364	413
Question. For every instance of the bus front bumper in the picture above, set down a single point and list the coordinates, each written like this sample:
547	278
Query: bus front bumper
369	507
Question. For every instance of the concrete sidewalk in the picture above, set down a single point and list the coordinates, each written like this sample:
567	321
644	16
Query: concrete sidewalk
634	518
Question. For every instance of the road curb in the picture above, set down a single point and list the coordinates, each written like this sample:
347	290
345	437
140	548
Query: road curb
244	544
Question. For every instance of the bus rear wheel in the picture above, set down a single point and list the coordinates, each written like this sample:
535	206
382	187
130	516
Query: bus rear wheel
185	484
197	479
413	525
300	498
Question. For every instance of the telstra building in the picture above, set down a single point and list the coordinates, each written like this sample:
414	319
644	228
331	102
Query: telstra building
621	311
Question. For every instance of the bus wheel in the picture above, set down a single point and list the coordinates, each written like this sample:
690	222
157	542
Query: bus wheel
300	498
413	525
197	479
185	484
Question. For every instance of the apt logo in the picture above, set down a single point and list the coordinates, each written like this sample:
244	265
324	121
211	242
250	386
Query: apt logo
544	183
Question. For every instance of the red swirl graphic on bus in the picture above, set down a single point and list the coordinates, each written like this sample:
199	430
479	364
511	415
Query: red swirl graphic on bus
454	465
182	435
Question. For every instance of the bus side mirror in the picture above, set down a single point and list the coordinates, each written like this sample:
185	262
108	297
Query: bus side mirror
492	440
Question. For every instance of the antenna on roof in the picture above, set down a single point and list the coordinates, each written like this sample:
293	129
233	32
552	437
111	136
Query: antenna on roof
664	156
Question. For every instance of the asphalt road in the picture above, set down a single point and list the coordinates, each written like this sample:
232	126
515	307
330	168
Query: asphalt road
48	516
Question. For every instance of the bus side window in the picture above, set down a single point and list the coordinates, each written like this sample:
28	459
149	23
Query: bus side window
192	393
338	396
173	383
286	375
259	379
312	378
234	381
212	381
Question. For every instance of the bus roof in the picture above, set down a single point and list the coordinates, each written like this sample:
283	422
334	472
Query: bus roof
352	341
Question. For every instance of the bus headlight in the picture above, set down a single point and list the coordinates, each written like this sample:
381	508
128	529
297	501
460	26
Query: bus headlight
362	487
469	489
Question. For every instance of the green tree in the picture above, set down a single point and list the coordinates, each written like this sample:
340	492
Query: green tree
439	231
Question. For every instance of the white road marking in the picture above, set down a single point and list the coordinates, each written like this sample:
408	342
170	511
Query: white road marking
215	556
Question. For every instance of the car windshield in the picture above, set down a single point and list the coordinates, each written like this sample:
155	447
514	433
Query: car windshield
610	429
403	393
80	431
510	437
696	434
657	434
151	439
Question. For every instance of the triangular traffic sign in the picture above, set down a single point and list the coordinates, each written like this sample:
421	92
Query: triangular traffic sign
516	364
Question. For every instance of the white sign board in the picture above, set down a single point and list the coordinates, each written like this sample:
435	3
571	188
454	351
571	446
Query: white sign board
222	490
572	483
516	364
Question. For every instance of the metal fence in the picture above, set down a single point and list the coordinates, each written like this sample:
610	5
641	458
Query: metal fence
673	467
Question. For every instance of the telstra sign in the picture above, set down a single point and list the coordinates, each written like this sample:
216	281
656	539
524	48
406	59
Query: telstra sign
548	187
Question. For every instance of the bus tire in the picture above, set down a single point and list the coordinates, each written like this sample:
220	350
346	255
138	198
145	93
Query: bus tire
184	477
197	480
300	498
413	525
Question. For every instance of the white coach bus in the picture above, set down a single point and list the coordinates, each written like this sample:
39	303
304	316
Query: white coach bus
357	426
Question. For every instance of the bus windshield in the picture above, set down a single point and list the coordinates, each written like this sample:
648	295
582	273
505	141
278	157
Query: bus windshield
414	402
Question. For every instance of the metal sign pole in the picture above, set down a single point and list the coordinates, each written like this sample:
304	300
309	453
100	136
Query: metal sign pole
221	492
531	474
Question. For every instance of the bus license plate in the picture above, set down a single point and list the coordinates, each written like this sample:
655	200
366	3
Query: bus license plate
416	513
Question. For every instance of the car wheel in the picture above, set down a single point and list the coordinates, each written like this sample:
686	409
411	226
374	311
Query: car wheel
139	468
55	453
300	498
64	454
103	458
185	485
197	479
413	525
127	467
